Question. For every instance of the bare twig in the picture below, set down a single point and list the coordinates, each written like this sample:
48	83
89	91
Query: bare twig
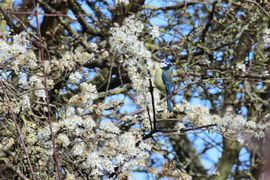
66	25
110	75
209	22
44	14
197	128
176	6
41	57
151	89
77	11
149	115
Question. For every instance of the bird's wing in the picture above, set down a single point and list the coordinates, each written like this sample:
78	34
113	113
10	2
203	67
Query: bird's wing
167	80
159	84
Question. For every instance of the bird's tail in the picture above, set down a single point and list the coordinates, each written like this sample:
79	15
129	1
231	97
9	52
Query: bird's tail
169	102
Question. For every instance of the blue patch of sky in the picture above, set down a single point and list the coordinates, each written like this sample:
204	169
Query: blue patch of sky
159	20
157	161
155	3
32	19
244	160
110	2
16	2
178	98
158	3
165	143
218	55
105	120
87	9
239	96
104	9
260	85
5	75
214	90
72	87
91	73
185	29
128	107
249	57
110	99
244	111
244	157
199	142
167	178
142	176
75	25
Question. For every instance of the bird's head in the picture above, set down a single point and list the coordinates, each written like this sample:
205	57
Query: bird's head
165	64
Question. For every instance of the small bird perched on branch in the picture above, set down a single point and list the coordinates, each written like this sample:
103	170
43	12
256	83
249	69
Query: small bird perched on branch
163	80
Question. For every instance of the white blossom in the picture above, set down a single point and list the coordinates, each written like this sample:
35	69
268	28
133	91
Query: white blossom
145	146
70	176
63	139
180	126
122	1
25	103
40	93
78	148
127	143
47	66
266	38
70	111
73	122
109	127
155	31
241	66
229	123
75	77
124	40
93	46
99	165
120	158
89	122
69	60
44	133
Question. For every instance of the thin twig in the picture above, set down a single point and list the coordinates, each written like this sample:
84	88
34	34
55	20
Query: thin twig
209	22
43	14
41	57
151	89
120	75
176	6
196	128
110	75
149	115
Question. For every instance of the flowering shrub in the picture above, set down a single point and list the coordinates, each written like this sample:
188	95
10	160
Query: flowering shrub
78	101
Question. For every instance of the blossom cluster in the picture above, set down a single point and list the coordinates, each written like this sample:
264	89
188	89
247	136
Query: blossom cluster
83	138
100	146
228	124
125	2
125	41
70	60
266	38
84	99
15	54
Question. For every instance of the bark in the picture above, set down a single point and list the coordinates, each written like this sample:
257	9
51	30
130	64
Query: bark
229	156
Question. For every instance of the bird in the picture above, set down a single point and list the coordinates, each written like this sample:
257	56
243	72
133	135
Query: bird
163	80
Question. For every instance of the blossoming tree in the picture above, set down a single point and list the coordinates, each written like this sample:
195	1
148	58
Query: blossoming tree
78	100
